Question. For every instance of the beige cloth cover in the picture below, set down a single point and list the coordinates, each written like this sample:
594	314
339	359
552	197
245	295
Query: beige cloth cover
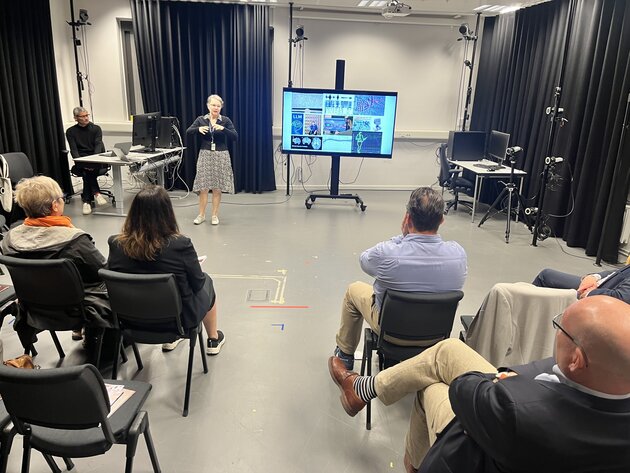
513	325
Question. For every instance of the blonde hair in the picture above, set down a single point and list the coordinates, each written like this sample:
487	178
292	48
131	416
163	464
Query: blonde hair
216	97
36	195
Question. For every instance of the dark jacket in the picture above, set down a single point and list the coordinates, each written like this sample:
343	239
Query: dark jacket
618	285
220	137
179	258
523	425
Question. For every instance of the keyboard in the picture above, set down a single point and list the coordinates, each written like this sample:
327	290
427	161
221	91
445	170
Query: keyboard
489	167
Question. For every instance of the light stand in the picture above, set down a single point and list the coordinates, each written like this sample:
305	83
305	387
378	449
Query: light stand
470	64
541	229
509	191
76	42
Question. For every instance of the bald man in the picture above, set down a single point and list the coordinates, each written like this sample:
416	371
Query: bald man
568	415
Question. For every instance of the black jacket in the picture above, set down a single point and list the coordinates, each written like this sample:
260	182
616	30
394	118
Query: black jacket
522	425
178	258
220	137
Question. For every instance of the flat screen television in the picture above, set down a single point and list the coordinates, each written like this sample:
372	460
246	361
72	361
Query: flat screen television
146	128
338	122
466	145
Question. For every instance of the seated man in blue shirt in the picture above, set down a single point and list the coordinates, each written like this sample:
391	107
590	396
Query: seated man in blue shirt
607	283
416	261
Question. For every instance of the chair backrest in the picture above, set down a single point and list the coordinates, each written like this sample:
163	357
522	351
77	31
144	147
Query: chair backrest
19	166
144	302
418	317
445	175
51	291
71	398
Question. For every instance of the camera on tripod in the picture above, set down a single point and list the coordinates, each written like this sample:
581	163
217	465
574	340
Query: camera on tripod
553	160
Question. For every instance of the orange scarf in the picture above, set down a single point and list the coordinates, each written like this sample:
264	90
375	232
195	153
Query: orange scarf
49	221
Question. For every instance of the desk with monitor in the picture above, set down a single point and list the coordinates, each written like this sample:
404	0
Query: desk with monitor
138	163
471	151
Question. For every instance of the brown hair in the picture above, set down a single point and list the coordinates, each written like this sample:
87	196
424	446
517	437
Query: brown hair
149	225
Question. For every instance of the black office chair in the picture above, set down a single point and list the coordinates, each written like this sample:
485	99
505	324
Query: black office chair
51	297
64	412
147	309
410	322
450	180
19	168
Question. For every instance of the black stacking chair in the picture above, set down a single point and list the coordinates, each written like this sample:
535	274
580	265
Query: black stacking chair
147	309
19	168
50	294
65	412
410	322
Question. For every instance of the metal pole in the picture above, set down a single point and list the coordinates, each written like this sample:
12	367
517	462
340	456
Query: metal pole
555	116
470	75
74	26
289	85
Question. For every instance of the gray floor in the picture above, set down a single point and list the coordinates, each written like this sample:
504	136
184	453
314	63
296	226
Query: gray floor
267	403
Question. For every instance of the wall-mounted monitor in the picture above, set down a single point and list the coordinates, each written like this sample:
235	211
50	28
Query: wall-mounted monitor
338	122
146	128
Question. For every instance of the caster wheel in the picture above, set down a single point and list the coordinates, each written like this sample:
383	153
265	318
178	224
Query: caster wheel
113	202
308	205
363	207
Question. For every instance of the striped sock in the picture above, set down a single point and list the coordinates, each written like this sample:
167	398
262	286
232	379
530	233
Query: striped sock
364	387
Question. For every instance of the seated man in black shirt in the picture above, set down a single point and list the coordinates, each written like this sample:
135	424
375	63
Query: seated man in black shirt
86	138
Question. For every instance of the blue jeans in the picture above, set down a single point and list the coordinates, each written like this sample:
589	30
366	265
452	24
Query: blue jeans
557	279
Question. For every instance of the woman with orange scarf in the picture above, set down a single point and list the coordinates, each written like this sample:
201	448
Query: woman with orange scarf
48	234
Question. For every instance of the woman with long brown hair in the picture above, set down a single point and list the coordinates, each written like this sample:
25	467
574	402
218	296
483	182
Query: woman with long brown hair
150	242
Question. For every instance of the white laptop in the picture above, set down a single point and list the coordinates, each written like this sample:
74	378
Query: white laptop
120	151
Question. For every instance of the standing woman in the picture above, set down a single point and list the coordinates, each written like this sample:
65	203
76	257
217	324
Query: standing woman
214	169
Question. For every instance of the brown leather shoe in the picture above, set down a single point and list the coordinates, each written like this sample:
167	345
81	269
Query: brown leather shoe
343	378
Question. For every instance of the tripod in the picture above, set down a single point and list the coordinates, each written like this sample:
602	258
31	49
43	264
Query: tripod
510	190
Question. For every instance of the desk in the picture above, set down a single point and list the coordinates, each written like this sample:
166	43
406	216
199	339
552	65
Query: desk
481	173
141	161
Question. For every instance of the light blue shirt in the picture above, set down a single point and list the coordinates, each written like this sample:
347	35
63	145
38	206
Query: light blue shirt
415	263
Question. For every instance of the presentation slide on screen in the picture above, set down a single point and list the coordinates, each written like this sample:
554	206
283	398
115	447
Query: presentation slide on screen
338	122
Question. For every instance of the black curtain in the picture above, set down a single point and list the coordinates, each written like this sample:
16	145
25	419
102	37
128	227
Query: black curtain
187	51
519	68
30	112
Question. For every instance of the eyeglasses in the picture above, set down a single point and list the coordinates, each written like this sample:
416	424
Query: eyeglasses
556	324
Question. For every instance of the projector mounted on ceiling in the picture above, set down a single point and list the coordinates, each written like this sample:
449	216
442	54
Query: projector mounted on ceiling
395	8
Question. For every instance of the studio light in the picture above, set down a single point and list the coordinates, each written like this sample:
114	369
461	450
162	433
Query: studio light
299	34
464	29
83	16
396	8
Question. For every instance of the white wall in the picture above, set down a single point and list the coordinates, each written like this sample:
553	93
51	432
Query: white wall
419	58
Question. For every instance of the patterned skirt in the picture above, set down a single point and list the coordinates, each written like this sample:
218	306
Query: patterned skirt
214	171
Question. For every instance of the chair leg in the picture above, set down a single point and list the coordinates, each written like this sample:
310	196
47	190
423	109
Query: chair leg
99	348
192	342
116	357
57	344
151	447
51	463
123	353
6	441
136	353
204	361
69	463
26	454
368	409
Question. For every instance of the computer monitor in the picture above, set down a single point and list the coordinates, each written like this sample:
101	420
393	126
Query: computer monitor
466	145
145	130
497	145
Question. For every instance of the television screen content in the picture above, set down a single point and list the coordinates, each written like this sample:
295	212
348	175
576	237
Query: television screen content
338	122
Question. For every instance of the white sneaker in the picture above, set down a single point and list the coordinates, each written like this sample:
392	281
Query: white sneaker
87	208
199	219
172	345
100	200
214	220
